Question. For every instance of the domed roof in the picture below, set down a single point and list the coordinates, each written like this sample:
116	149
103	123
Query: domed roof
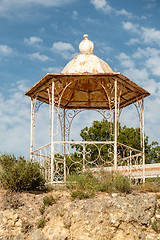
87	62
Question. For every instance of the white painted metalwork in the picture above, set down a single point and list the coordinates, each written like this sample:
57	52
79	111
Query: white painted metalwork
115	127
86	83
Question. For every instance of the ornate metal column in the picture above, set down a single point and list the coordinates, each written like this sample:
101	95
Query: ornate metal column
115	126
52	133
31	137
143	143
140	109
64	139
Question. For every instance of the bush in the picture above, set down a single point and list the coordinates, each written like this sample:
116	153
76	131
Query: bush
85	181
156	226
122	184
48	200
103	182
80	194
41	223
150	185
19	174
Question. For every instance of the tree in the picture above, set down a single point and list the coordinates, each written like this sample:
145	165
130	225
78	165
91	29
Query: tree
100	131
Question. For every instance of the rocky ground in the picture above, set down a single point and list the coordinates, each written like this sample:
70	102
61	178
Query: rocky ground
111	217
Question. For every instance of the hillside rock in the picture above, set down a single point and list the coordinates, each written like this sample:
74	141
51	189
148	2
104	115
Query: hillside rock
104	217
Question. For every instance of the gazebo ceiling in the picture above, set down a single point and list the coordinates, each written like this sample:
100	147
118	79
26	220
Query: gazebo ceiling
89	91
87	82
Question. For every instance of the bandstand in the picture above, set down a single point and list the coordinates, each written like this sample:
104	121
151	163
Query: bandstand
86	83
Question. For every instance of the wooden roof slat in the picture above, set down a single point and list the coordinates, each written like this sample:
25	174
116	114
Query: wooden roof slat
89	83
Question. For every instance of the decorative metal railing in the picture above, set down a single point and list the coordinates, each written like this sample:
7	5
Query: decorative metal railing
82	156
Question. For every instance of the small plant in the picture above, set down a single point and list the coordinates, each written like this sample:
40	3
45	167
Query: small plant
11	200
42	209
80	194
26	227
41	223
151	185
122	184
156	226
48	200
104	182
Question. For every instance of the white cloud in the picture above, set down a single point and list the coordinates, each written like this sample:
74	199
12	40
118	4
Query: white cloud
133	41
123	12
39	56
23	8
33	40
125	60
102	5
7	4
66	50
141	68
153	64
150	58
15	121
62	46
151	35
131	27
75	14
15	117
5	50
146	35
53	69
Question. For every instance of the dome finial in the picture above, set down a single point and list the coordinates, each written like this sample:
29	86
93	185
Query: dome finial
85	36
86	46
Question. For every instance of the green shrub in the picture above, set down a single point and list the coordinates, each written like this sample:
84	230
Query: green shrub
150	185
19	174
80	194
122	184
104	182
48	200
41	223
42	209
156	226
85	181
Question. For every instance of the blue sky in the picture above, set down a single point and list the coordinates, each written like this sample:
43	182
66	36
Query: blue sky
41	36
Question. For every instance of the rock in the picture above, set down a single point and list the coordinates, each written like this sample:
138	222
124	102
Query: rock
104	217
20	236
37	235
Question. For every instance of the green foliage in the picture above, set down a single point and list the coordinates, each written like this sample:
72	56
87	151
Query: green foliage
41	223
122	184
48	200
19	174
151	185
84	181
42	209
86	185
80	194
100	131
152	153
156	226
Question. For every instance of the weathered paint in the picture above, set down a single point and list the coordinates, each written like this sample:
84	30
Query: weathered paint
87	62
